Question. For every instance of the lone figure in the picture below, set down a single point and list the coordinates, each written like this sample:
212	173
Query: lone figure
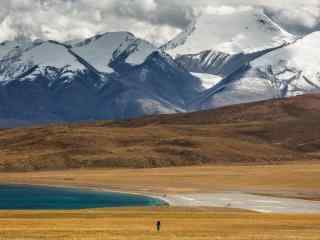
158	225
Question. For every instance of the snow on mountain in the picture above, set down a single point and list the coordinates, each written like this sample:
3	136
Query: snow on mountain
51	54
248	30
116	75
101	50
207	80
288	71
295	68
219	63
210	62
44	58
21	56
213	68
110	76
233	90
11	48
251	58
181	38
246	35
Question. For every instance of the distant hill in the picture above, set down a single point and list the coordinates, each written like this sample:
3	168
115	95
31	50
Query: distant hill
256	133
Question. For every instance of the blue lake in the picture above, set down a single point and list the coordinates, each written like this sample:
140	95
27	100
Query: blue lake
21	197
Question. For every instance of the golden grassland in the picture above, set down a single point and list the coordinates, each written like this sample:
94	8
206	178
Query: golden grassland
293	179
138	224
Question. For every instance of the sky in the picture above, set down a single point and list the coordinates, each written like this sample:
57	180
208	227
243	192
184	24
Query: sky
155	20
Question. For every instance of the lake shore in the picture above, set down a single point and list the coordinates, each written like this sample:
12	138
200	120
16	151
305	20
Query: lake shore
231	200
197	186
293	180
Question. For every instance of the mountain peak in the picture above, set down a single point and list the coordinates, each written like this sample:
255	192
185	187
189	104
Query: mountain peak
247	30
102	49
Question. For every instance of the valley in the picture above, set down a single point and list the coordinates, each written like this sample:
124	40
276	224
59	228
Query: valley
164	120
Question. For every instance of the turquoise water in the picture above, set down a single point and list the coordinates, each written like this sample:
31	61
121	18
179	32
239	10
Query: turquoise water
14	197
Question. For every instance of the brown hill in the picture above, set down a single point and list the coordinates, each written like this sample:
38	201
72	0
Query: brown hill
257	133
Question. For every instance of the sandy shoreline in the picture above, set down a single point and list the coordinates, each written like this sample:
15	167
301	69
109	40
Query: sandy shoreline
246	201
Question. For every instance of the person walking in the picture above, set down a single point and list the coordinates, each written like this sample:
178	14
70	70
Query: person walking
158	226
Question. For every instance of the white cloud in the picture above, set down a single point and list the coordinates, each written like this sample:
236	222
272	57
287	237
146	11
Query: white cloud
297	20
223	10
157	20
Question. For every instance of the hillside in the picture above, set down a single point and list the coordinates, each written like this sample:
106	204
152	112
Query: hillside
256	133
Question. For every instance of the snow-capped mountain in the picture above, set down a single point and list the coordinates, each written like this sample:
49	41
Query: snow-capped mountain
248	30
104	49
218	64
117	75
11	48
284	72
158	86
110	76
293	70
251	58
99	54
47	59
219	51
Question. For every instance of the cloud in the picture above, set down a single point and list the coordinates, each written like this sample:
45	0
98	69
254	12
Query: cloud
223	10
156	20
302	20
61	20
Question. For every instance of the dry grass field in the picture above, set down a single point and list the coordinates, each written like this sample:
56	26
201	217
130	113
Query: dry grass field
260	133
138	224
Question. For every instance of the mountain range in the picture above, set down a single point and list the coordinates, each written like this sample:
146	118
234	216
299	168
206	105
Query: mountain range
116	75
